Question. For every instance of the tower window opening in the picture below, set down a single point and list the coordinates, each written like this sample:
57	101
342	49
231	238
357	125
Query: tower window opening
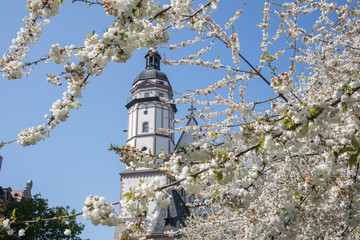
160	94
147	94
145	127
145	112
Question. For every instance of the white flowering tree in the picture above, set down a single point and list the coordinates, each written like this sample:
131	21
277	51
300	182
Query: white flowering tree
281	167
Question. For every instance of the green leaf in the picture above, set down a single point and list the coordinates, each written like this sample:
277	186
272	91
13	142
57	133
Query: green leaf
218	176
2	144
353	160
344	105
138	11
288	125
347	149
116	149
285	121
355	143
128	196
219	150
13	214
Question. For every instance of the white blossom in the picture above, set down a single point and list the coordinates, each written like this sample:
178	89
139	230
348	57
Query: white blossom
21	232
67	232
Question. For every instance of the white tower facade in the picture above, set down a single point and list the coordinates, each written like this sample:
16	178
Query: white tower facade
146	114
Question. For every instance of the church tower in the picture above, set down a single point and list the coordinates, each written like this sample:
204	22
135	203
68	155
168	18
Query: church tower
146	114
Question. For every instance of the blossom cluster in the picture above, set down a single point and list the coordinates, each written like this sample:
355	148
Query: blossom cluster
135	158
99	211
12	63
282	83
136	201
32	135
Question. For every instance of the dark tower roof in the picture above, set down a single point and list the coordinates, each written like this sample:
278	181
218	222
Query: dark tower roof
172	217
152	69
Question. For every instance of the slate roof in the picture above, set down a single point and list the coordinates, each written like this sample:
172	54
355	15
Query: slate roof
151	74
172	217
186	137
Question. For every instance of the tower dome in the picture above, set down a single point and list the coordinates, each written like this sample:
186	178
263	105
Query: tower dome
152	69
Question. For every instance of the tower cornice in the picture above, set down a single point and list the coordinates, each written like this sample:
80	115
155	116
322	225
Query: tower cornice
147	99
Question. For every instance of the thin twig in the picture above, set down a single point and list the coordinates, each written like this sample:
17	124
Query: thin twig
159	14
86	1
182	179
198	11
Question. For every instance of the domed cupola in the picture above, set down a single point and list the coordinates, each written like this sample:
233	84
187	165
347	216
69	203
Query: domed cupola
152	69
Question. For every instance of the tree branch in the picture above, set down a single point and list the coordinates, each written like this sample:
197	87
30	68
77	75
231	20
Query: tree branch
57	218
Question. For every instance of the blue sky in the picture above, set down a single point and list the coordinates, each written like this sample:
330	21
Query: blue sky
73	162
